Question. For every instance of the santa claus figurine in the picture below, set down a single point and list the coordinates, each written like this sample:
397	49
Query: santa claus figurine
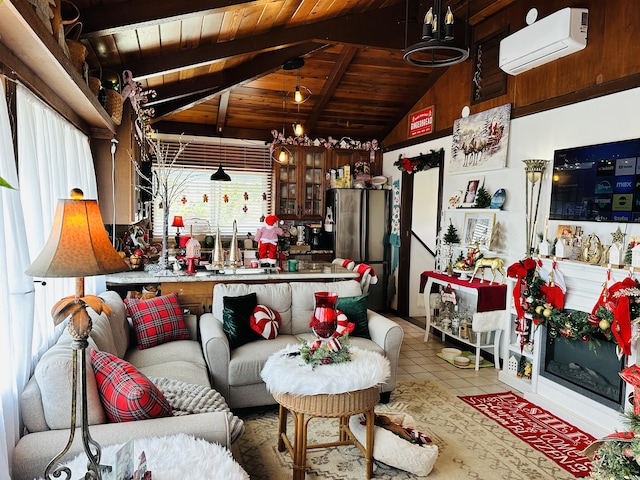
267	238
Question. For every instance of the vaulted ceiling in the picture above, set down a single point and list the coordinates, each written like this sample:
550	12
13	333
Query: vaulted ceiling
217	65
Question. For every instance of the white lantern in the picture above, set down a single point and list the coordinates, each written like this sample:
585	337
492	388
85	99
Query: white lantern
562	249
635	256
616	254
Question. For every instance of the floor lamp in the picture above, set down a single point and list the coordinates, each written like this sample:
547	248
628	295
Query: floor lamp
78	246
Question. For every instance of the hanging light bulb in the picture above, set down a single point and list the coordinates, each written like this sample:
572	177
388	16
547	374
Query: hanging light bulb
427	27
448	24
282	156
297	129
297	96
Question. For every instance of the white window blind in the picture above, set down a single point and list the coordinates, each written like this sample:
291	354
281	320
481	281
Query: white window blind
206	205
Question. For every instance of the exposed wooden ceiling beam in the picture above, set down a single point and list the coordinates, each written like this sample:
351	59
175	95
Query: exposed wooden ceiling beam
330	85
104	20
259	66
361	30
222	112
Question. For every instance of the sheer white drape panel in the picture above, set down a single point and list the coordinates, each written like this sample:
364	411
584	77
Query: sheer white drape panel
53	158
16	297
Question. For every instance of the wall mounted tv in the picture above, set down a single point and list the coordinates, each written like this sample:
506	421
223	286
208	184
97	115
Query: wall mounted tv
597	183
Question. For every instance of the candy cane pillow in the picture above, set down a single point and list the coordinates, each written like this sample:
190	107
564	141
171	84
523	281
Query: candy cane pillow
344	325
265	321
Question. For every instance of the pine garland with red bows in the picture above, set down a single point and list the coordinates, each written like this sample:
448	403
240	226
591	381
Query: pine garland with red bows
615	311
424	161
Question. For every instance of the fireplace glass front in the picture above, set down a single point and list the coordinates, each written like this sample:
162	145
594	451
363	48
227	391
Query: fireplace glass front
592	372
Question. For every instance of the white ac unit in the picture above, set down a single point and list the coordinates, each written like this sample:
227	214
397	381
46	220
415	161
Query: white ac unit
556	35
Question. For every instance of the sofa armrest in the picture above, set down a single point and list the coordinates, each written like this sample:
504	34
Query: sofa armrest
34	451
388	335
217	353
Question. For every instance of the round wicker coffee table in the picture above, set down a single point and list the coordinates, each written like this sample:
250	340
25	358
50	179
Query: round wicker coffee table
335	405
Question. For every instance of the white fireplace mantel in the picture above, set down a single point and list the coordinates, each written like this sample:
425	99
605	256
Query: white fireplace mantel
584	285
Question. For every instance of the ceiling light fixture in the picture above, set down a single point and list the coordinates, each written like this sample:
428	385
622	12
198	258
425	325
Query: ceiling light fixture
438	47
220	175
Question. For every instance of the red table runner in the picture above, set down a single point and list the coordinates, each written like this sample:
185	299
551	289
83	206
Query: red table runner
490	297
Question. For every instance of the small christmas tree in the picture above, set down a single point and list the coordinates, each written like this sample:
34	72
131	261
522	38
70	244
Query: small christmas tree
483	199
452	234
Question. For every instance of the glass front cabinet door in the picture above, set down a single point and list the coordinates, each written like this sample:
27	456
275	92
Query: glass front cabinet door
300	184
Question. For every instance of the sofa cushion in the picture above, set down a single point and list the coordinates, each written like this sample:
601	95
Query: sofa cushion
355	308
157	320
247	361
276	296
125	392
54	374
236	319
265	321
120	328
101	333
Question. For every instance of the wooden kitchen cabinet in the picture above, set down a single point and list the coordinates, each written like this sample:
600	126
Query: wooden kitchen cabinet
300	184
339	157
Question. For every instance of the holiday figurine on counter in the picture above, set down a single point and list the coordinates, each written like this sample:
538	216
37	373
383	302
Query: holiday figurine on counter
267	238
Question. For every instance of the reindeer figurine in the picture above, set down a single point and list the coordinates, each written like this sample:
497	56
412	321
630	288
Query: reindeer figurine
494	263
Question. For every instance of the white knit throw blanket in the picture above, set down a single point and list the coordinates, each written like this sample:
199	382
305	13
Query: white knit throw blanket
187	398
289	374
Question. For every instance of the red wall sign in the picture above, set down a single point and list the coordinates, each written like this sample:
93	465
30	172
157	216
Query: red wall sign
421	123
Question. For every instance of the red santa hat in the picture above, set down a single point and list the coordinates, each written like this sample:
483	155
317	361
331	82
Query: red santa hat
271	220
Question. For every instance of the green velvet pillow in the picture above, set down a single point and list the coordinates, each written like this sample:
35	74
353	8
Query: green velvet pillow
235	319
355	308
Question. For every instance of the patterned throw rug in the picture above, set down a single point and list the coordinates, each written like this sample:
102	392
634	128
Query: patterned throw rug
542	430
471	445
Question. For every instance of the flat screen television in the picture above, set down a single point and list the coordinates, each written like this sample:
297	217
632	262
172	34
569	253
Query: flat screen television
597	183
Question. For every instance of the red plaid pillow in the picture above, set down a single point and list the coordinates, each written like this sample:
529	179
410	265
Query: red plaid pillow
157	320
125	392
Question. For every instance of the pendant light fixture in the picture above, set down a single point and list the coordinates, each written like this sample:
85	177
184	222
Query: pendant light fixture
220	175
439	46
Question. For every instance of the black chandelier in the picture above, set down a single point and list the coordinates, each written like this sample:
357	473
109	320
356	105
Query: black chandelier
439	46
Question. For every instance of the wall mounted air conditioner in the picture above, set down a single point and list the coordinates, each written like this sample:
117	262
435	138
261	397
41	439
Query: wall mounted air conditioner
556	35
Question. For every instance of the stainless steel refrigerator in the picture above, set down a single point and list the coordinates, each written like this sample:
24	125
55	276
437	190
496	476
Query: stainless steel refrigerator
361	233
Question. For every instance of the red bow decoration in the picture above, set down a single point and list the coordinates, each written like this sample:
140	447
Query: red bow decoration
520	270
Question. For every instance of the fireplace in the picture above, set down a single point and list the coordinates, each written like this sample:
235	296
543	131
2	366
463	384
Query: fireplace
589	370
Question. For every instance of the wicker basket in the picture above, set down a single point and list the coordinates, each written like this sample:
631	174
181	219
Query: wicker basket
94	85
77	54
114	105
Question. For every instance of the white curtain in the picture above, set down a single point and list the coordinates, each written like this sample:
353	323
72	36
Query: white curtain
53	158
16	296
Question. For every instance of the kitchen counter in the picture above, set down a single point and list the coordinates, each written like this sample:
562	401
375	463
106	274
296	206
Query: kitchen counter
308	271
196	291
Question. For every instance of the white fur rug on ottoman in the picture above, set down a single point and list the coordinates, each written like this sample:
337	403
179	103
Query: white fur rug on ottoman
173	457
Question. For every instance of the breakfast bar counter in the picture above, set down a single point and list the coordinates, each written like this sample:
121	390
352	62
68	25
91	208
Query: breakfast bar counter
196	291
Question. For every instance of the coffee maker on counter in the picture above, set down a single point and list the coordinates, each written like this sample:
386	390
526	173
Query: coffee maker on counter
314	235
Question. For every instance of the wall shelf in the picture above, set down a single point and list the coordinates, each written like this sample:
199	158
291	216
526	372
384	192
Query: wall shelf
28	40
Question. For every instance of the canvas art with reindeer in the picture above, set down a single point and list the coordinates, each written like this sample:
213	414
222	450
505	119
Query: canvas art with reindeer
480	141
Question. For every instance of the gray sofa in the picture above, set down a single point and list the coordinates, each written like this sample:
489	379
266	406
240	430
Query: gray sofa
46	401
236	373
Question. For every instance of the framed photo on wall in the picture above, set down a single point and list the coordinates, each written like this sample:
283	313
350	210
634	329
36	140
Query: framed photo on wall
478	228
471	192
480	141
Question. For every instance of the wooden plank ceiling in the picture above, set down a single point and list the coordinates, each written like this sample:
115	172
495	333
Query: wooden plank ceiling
216	65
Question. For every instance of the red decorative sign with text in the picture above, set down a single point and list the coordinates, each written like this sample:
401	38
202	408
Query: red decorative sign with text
421	123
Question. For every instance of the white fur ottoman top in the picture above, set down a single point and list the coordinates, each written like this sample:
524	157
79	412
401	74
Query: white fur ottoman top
283	373
173	457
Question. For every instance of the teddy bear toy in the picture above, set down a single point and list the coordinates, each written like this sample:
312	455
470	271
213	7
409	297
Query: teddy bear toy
267	238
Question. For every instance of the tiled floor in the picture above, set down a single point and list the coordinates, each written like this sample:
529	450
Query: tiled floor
418	360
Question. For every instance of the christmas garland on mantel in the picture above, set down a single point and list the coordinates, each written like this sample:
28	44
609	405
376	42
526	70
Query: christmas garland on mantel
424	161
616	309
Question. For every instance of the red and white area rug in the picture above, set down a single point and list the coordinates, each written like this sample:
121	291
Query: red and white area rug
543	431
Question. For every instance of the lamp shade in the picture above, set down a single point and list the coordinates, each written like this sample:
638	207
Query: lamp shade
78	245
220	176
178	222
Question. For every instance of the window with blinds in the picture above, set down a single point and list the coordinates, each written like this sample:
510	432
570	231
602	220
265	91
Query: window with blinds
206	205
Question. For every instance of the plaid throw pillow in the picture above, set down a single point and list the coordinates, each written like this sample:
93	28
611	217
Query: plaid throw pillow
126	394
157	320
